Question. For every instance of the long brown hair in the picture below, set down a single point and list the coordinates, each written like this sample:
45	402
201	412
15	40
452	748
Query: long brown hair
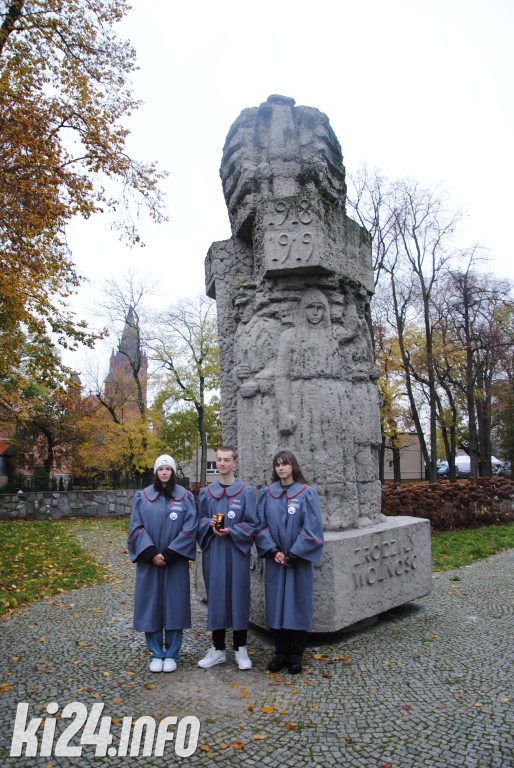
166	489
287	457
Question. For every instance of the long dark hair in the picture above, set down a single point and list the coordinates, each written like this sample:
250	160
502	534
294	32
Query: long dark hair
287	457
165	488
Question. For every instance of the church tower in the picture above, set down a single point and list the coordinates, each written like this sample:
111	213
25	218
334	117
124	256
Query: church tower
127	366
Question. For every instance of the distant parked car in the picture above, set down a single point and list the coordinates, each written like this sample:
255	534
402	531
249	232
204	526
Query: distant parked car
463	464
443	470
496	465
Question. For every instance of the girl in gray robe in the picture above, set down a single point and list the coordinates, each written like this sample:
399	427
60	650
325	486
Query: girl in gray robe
291	539
161	541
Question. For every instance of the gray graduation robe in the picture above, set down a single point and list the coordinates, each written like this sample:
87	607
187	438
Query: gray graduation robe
291	521
226	559
162	592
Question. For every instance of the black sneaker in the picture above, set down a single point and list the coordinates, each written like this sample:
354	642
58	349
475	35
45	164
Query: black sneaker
295	665
277	663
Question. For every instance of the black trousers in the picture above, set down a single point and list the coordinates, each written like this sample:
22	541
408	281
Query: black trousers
289	642
238	638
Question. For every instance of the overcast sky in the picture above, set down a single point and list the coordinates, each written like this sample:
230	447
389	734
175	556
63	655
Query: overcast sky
418	89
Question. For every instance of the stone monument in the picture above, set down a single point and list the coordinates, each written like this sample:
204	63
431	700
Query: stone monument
293	288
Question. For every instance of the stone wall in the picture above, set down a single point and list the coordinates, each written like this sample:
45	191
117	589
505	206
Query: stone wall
55	505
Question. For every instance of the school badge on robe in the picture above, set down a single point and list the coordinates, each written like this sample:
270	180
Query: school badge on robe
291	510
173	515
231	514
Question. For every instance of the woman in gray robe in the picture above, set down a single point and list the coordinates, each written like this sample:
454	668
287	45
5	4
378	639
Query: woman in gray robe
291	539
162	541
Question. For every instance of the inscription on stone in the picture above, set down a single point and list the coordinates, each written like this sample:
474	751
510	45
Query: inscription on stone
383	560
292	234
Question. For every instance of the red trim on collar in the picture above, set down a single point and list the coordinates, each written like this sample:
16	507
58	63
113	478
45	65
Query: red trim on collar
173	499
224	492
237	493
287	495
296	494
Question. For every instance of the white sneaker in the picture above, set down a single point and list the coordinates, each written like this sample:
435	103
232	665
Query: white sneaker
169	665
242	660
156	665
212	657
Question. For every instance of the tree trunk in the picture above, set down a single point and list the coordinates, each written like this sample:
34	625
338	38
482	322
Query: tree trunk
382	459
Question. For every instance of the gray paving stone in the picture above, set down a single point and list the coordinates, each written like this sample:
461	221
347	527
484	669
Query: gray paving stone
406	691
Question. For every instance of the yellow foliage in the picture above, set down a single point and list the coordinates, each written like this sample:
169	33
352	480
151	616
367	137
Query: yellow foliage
64	91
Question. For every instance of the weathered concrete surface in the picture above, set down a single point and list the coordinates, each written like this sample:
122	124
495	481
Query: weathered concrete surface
293	286
363	573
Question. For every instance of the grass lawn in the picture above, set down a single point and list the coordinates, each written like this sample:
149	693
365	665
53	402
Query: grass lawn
39	558
453	549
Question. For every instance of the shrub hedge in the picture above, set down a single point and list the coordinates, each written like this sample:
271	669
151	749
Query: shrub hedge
452	506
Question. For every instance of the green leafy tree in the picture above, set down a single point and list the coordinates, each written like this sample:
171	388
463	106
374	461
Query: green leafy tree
179	435
186	350
46	432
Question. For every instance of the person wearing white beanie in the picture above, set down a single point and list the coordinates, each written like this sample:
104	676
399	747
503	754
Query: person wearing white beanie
164	461
162	541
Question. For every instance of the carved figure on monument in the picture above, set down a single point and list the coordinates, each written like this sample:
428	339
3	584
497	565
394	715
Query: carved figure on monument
255	351
314	402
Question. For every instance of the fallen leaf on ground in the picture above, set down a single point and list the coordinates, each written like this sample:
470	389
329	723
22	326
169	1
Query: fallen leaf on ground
290	726
268	710
238	744
259	736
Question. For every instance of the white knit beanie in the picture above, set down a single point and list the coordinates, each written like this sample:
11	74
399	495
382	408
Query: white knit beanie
164	461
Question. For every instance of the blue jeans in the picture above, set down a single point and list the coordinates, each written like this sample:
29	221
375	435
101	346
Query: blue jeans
172	643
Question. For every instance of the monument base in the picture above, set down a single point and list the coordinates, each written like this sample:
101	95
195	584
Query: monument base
363	572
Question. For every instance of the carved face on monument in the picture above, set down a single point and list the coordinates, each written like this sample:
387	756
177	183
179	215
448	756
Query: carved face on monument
314	308
315	311
245	309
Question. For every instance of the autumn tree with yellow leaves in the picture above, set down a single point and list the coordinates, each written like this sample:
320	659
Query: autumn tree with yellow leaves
64	94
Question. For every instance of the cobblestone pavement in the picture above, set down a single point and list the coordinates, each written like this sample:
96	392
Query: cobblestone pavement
427	686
